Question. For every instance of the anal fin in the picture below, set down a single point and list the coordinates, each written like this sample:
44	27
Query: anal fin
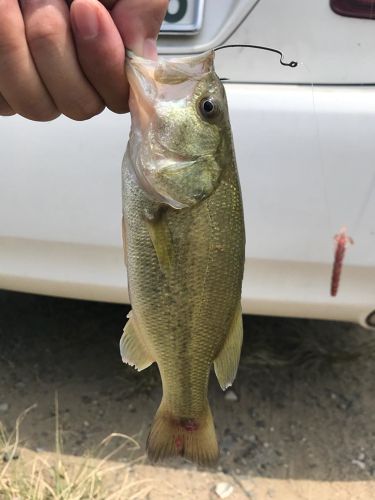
132	348
226	363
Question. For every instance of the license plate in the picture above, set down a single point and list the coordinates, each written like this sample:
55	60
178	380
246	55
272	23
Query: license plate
184	17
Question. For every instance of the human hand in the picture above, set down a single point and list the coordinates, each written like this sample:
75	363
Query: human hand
58	61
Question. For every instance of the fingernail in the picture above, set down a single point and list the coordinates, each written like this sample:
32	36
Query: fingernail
85	21
150	50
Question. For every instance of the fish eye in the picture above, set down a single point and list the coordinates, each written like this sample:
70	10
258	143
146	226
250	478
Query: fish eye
208	107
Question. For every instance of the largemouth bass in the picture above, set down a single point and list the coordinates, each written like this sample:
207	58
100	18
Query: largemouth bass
184	246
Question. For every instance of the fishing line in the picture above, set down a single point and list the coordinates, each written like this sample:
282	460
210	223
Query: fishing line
323	170
291	64
357	213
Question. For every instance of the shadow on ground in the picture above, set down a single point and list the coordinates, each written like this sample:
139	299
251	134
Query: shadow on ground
305	389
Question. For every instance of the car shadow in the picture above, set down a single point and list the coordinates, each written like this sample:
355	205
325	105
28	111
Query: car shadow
302	406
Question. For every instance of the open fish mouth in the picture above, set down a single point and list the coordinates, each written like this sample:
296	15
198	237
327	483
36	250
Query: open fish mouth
170	78
173	146
173	70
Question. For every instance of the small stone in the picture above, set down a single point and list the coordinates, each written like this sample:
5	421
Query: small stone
359	464
9	455
361	457
228	442
86	423
230	395
4	407
223	490
131	408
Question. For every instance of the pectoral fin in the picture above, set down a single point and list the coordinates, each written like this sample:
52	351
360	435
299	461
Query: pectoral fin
226	363
162	240
132	348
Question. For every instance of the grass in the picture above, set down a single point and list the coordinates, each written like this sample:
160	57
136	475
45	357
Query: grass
26	475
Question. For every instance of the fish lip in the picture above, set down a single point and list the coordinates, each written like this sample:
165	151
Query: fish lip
191	58
189	67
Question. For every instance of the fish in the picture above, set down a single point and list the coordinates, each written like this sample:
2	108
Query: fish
184	245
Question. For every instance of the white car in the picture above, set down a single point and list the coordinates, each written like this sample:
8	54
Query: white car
305	144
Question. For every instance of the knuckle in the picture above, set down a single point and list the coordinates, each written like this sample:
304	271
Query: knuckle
9	47
40	34
40	115
118	108
85	111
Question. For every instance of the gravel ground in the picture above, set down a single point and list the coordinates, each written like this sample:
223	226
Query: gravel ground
302	410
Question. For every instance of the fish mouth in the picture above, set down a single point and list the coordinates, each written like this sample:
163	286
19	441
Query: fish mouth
172	70
158	168
148	79
142	91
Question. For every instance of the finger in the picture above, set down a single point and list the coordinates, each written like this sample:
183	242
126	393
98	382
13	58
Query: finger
138	22
5	109
20	84
51	44
101	52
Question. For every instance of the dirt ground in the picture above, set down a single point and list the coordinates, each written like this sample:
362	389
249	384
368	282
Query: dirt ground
299	423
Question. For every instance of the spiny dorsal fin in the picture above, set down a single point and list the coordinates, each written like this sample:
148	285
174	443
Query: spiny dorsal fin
132	348
226	363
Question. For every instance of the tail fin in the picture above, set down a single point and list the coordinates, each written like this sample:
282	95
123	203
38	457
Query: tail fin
194	439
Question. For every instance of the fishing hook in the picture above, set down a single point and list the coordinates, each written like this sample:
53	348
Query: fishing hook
291	64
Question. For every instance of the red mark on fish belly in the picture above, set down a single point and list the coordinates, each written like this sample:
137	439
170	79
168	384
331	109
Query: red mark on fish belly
189	424
178	443
342	241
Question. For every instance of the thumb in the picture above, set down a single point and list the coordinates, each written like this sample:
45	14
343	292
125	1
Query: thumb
138	22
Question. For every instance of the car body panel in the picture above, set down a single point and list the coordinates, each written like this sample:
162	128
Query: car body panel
305	157
330	49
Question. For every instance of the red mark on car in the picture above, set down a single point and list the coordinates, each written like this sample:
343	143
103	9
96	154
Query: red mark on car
342	242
